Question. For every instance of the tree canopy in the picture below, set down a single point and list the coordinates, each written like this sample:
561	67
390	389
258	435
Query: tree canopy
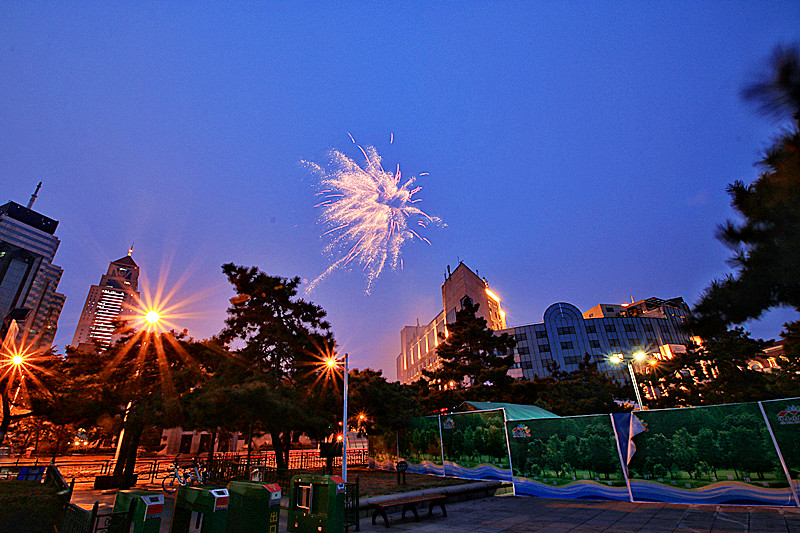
766	241
278	342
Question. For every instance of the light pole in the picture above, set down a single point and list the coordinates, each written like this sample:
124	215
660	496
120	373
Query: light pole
638	356
331	362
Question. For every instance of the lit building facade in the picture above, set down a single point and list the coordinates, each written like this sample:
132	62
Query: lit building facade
651	327
28	278
418	343
116	297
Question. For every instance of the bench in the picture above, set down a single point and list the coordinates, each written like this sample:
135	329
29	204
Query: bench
408	504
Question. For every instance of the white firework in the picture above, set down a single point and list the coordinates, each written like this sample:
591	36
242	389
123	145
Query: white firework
368	212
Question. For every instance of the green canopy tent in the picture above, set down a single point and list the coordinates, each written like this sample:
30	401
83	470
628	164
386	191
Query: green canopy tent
514	411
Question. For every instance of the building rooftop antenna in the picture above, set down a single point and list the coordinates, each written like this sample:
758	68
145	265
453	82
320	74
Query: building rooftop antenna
130	250
34	195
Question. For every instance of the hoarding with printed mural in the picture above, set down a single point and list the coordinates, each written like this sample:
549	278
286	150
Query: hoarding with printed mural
573	457
475	445
421	447
716	454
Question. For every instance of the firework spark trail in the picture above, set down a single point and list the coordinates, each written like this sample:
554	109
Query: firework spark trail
368	210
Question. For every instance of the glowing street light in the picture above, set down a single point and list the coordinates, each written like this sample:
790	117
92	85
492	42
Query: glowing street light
618	358
17	360
152	317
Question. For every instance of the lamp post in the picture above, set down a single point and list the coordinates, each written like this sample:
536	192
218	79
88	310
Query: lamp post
638	356
332	362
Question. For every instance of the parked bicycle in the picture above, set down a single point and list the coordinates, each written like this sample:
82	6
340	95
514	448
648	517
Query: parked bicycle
196	473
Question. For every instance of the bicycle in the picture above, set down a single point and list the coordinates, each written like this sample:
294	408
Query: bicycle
195	473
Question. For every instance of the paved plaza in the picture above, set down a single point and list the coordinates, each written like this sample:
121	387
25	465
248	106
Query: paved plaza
515	513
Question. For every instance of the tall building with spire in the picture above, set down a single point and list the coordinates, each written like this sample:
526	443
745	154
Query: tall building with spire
116	297
28	277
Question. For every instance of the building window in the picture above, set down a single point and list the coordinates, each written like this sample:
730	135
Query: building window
523	350
544	347
591	329
647	327
610	310
566	345
613	342
521	336
629	328
541	334
566	330
572	360
633	340
610	328
525	364
594	343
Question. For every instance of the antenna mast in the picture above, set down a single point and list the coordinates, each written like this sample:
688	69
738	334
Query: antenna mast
34	195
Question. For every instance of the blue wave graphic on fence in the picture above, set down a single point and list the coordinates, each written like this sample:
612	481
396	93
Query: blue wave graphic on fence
426	467
483	472
721	492
576	490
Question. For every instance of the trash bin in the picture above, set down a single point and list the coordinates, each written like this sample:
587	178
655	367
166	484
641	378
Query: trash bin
316	504
210	505
254	507
147	509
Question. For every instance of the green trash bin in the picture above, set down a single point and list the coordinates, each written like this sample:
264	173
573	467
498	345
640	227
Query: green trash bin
147	506
316	504
210	505
254	507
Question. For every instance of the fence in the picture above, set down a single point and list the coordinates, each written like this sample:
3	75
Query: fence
233	465
224	467
738	453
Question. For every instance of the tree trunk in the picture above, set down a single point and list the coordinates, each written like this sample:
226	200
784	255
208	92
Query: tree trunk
126	461
4	425
130	459
249	445
277	444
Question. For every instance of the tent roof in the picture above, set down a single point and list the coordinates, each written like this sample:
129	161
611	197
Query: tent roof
514	411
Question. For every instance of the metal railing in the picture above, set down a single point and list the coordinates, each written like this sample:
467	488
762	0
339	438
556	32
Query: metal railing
231	464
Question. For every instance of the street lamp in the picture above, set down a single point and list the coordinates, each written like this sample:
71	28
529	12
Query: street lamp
637	356
331	362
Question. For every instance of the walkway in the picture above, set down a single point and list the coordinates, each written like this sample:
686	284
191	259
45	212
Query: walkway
518	514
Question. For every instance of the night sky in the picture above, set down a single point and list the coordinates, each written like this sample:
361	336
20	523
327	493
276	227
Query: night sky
576	151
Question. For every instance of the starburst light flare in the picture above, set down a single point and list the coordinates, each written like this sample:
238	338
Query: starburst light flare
368	212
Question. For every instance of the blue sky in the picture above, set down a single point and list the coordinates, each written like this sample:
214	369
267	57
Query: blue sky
577	151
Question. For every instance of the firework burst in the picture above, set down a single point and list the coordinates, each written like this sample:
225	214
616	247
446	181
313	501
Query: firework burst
368	212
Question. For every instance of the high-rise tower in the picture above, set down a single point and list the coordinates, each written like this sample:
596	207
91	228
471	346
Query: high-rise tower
116	297
28	278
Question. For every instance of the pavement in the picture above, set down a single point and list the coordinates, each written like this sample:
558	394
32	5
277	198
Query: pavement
518	514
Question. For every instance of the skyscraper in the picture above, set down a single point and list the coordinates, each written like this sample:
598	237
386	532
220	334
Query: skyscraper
28	278
115	297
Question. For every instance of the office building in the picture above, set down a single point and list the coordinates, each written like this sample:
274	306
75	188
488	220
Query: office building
651	327
565	336
28	278
418	343
115	298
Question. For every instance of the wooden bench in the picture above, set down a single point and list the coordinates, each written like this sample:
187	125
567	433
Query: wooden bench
408	504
